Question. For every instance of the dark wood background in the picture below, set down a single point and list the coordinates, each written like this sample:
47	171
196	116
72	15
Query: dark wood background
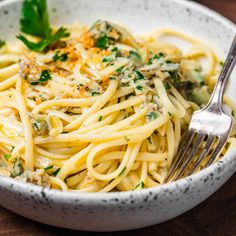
214	217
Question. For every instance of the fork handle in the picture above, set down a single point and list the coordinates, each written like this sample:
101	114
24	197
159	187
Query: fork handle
217	95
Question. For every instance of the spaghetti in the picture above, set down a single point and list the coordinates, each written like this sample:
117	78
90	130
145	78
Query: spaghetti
102	110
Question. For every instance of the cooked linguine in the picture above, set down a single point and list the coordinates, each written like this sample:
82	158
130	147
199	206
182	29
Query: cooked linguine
100	110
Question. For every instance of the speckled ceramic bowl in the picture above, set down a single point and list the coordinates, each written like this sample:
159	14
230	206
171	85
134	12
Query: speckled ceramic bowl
126	210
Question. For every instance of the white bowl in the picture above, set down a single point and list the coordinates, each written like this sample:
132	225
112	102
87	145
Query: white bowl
123	210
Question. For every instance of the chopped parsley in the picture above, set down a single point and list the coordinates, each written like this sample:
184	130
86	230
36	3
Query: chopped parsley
169	113
118	71
156	57
112	78
140	185
36	126
138	76
112	56
56	171
63	57
2	43
166	85
48	168
34	83
159	55
105	59
134	56
152	115
100	118
102	42
221	63
35	22
139	87
45	76
7	156
123	170
93	93
174	76
232	113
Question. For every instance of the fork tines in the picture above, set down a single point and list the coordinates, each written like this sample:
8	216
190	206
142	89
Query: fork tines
187	154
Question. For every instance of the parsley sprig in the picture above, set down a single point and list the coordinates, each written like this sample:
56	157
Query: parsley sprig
35	22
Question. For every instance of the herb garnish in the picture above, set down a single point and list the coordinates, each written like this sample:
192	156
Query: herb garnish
36	126
45	76
157	57
166	85
140	185
35	22
63	57
139	87
93	93
138	76
100	118
174	76
118	71
7	157
135	56
56	171
48	167
2	43
102	42
152	115
221	63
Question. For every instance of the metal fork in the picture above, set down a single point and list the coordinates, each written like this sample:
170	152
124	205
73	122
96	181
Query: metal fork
210	125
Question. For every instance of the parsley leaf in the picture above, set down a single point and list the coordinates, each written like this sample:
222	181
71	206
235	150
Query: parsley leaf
56	171
138	76
2	43
221	63
44	43
93	93
34	19
100	118
35	22
48	168
63	57
7	157
45	76
134	56
103	42
166	85
152	115
139	87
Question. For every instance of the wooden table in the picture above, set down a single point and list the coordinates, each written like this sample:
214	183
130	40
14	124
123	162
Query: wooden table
216	216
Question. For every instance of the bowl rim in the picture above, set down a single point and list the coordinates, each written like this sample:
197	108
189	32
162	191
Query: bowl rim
97	196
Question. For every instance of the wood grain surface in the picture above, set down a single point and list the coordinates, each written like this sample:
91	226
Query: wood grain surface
214	217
